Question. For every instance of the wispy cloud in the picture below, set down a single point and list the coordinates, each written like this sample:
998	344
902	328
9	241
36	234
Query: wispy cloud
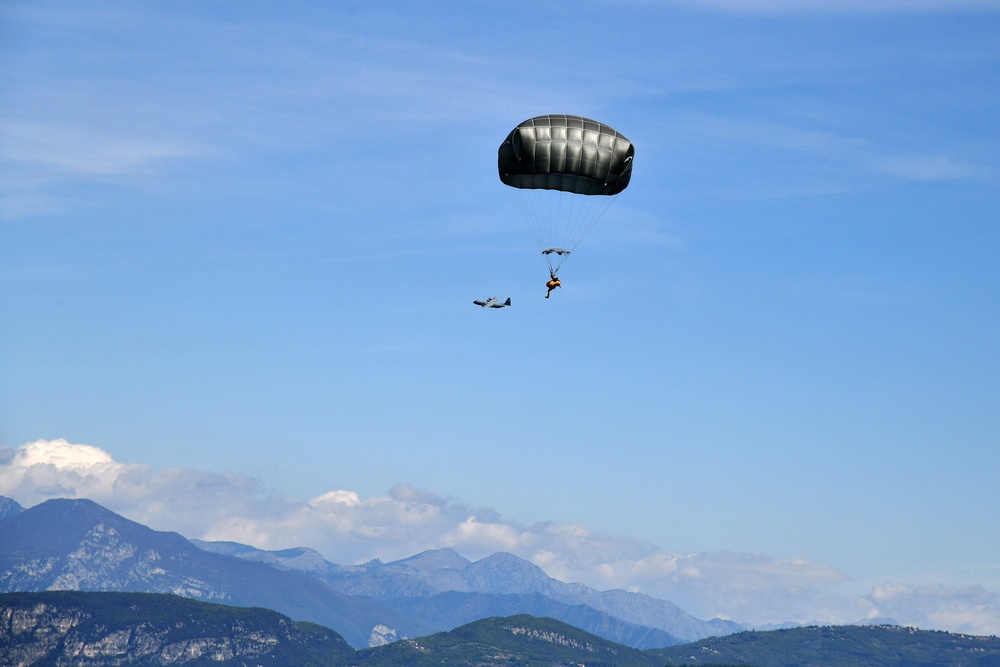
76	151
132	91
346	528
795	161
968	609
927	168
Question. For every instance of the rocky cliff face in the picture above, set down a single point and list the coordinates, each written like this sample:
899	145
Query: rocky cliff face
104	559
89	629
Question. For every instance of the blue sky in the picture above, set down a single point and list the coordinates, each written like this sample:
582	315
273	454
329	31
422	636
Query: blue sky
239	245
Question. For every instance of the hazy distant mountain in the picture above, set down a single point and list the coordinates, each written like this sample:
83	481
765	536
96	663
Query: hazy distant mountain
79	545
501	584
76	629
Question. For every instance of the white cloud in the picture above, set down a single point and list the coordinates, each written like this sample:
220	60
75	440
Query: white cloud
753	588
345	528
967	609
56	453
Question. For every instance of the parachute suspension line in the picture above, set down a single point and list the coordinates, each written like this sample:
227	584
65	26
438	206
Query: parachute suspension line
536	214
555	221
554	268
595	208
589	211
559	219
595	212
527	214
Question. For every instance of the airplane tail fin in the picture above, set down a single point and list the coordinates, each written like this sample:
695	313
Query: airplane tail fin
507	302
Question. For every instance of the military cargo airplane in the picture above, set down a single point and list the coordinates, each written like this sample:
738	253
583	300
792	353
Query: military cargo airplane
493	302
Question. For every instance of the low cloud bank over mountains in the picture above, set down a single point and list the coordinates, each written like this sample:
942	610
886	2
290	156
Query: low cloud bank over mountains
753	589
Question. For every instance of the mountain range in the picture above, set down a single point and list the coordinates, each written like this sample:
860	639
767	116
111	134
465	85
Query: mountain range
79	545
86	629
64	544
446	590
102	629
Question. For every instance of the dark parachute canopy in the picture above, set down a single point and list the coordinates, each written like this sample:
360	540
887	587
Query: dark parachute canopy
576	158
568	153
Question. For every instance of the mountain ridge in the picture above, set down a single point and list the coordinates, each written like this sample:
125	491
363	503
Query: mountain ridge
437	571
100	629
79	545
838	646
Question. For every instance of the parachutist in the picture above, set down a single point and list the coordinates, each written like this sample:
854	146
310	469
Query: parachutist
552	284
